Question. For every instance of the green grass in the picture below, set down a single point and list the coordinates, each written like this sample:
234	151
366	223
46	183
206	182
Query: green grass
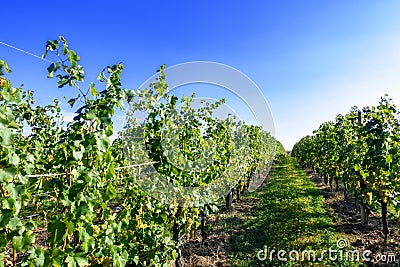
289	215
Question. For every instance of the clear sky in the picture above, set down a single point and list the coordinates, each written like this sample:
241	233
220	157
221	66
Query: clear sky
311	59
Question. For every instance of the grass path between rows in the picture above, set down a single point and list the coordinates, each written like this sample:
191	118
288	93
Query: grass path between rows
289	215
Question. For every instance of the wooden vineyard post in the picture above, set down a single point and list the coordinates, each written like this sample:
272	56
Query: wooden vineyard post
176	235
202	227
228	200
384	205
330	183
364	208
337	184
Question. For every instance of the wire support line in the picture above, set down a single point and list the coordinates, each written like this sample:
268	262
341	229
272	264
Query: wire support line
45	175
67	173
137	165
26	52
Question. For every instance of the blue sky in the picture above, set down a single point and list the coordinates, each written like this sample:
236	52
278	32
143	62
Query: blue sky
311	59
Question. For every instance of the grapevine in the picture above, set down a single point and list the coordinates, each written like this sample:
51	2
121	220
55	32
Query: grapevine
73	182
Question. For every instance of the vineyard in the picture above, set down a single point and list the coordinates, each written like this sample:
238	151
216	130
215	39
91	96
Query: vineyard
360	151
80	193
71	195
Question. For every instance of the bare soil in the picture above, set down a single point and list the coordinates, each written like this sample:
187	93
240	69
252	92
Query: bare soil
348	222
216	248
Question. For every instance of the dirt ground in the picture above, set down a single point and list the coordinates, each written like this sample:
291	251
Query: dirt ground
216	248
362	238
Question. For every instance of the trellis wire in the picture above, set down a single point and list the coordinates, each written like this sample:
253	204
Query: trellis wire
66	173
